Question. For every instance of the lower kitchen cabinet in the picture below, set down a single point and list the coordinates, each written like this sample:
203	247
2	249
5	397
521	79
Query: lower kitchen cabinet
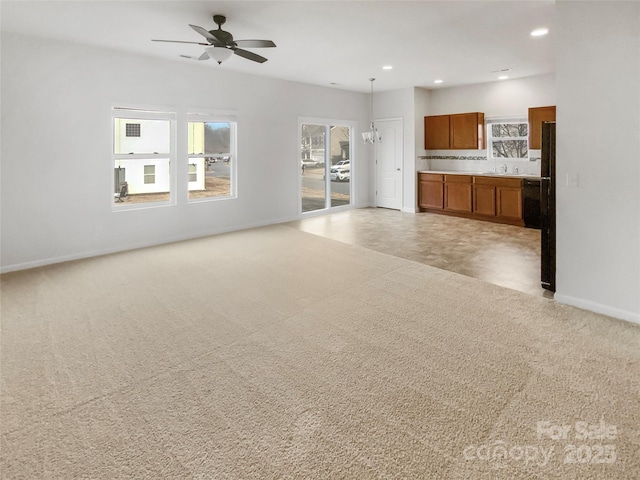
484	200
458	193
431	190
494	199
509	202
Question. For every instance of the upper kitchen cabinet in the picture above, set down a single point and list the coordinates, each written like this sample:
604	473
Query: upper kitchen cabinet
436	132
538	115
462	131
467	131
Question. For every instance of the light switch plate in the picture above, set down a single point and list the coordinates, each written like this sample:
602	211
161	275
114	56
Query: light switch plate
572	179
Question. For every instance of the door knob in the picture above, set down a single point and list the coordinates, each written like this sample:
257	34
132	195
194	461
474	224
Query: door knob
398	169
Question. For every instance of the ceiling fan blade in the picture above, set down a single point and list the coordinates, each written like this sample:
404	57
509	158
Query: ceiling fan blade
254	43
204	56
249	55
204	33
182	41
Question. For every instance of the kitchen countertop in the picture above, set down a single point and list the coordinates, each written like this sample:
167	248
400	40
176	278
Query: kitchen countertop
483	174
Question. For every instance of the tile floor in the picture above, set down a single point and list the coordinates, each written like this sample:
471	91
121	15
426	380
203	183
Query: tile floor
501	254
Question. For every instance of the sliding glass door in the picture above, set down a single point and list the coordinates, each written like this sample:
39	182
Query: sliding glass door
325	165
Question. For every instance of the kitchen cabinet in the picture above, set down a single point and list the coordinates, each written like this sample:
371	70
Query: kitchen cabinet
483	197
431	190
467	131
462	131
498	196
537	115
484	200
458	193
436	132
509	201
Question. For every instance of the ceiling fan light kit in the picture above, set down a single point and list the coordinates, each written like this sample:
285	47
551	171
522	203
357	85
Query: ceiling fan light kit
219	54
221	45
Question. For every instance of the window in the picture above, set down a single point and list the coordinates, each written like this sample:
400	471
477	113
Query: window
325	164
149	174
508	140
212	156
132	130
145	156
193	172
143	147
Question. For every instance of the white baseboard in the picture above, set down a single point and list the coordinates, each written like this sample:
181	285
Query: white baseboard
598	308
135	246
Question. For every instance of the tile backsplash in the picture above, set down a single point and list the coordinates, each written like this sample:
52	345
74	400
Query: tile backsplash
457	161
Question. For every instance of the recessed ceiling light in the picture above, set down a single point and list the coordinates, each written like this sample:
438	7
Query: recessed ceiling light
437	81
538	32
387	67
503	77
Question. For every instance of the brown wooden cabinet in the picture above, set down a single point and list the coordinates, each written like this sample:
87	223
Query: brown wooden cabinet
509	201
483	197
458	193
462	131
436	132
484	200
537	115
431	190
467	131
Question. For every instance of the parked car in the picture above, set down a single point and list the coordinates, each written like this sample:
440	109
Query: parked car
342	164
309	163
340	175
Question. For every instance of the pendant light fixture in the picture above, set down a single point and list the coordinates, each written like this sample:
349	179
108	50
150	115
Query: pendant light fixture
371	137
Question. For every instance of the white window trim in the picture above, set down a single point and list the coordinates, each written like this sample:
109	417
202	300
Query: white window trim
501	120
233	178
145	113
327	122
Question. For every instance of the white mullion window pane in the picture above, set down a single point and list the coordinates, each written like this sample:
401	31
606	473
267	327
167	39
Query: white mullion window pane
509	140
142	136
313	167
211	156
143	148
325	166
340	173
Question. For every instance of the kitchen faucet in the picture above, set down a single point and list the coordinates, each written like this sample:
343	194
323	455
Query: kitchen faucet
503	168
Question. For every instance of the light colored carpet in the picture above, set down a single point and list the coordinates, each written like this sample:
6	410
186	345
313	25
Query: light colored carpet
276	354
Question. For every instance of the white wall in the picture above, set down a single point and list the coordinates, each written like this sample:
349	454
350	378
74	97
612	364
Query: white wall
400	104
57	171
598	138
495	99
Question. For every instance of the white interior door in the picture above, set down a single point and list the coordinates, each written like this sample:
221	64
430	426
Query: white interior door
389	164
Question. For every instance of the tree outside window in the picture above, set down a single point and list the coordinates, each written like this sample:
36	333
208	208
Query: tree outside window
508	140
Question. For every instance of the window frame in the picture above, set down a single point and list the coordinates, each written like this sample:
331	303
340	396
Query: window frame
490	138
145	113
213	117
327	123
149	178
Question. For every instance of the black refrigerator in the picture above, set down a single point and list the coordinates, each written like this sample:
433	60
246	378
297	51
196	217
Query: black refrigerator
548	206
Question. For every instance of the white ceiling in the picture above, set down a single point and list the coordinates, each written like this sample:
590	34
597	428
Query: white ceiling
318	42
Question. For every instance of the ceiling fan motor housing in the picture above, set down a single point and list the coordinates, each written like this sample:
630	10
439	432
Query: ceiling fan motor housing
221	35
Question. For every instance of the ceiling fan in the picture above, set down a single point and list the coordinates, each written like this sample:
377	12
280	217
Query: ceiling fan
221	44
